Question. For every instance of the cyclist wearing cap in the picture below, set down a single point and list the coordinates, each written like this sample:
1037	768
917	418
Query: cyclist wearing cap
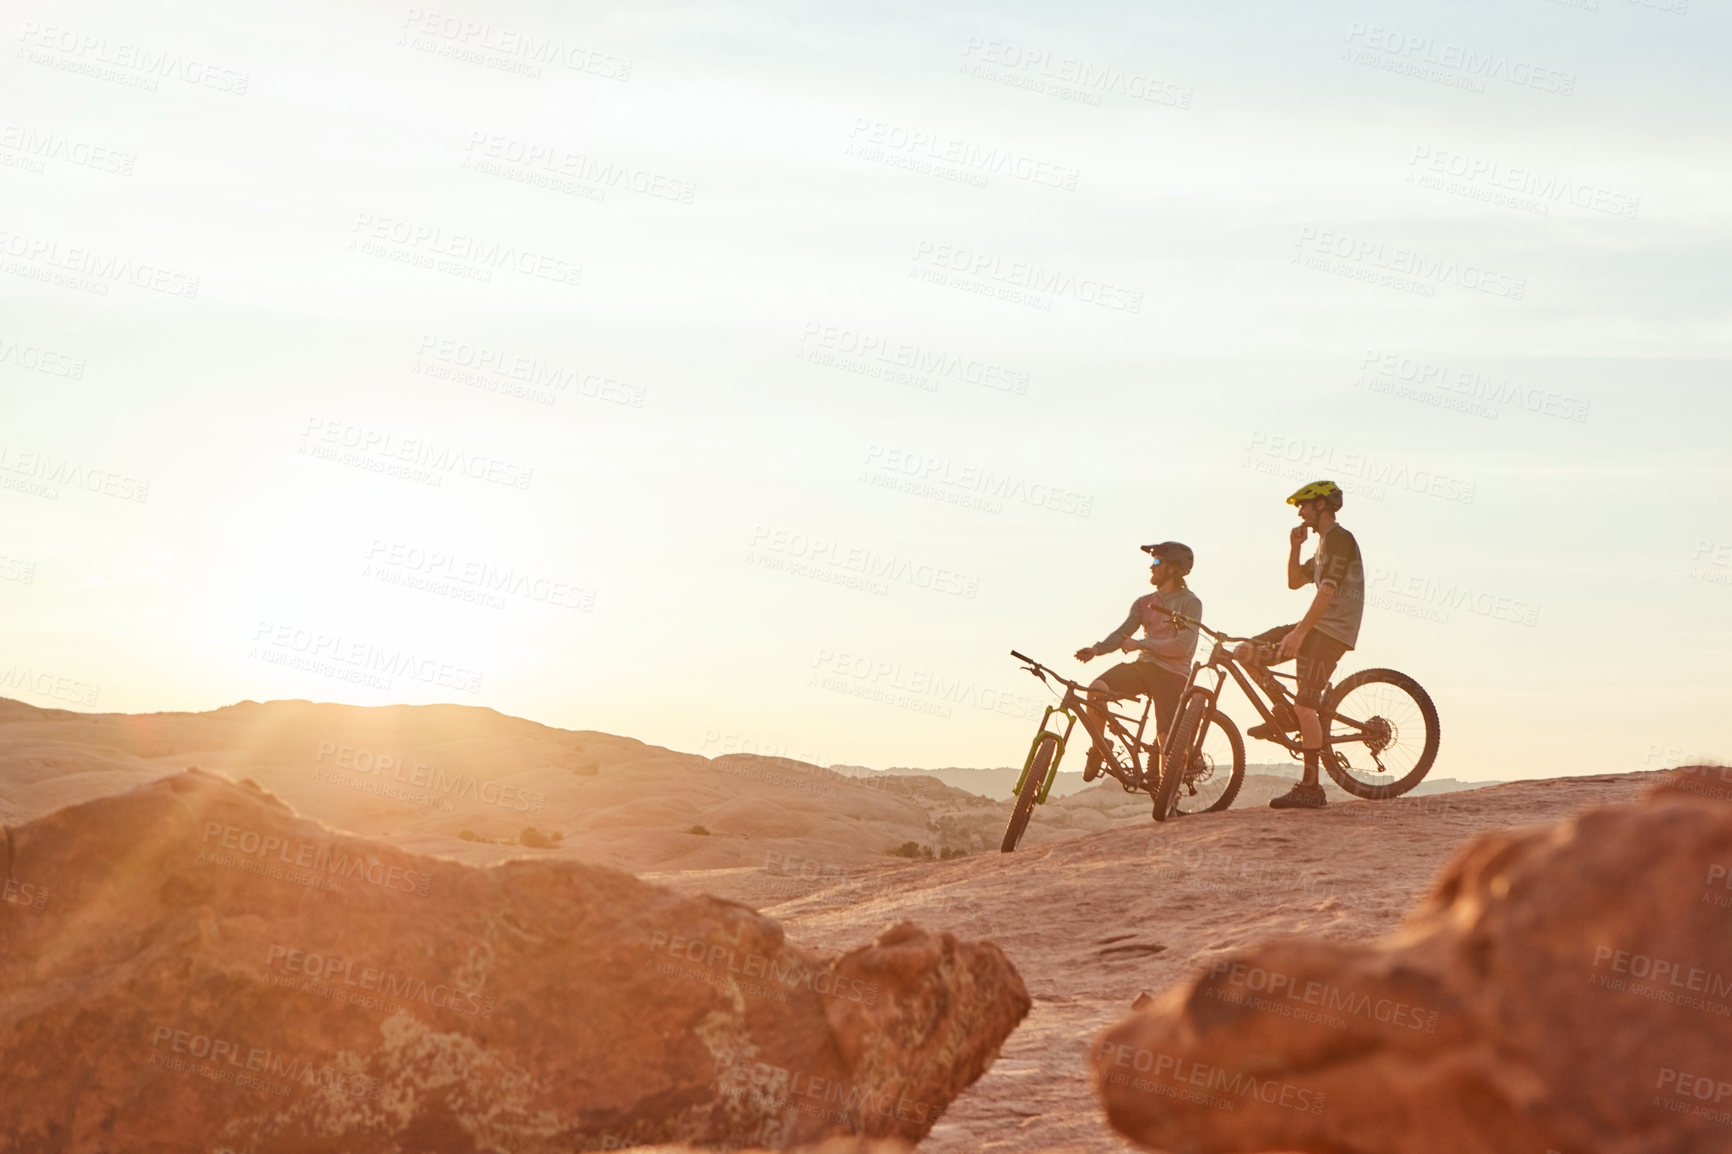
1164	653
1328	630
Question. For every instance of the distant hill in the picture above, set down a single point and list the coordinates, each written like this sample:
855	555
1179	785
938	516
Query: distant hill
479	785
1290	771
997	783
993	783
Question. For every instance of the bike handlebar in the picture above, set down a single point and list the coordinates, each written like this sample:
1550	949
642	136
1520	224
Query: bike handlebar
1041	671
1201	628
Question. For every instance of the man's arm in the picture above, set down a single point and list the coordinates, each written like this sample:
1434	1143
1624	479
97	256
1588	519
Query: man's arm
1182	644
1116	638
1297	575
1319	605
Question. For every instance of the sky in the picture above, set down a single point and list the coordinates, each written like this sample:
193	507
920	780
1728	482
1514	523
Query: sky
753	378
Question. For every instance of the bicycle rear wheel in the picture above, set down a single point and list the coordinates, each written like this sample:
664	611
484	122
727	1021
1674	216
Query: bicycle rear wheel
1382	736
1044	752
1217	768
1181	743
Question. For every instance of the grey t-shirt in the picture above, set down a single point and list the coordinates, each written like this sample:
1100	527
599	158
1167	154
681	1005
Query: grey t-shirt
1170	648
1337	563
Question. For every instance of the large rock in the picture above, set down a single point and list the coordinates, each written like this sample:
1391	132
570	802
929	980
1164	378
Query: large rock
1566	988
190	965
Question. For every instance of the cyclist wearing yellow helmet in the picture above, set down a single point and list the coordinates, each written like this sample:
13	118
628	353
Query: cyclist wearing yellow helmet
1328	630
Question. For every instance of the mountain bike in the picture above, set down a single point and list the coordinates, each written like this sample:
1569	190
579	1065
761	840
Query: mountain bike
1380	729
1215	767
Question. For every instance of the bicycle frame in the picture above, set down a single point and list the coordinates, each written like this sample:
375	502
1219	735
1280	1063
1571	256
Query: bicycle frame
1221	662
1073	707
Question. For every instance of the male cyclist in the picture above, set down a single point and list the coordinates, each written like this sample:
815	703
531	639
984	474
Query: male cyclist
1164	653
1328	630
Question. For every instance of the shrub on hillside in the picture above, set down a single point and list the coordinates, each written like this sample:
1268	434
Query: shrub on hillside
914	851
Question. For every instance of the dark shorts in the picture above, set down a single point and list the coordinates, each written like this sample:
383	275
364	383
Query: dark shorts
1146	679
1319	654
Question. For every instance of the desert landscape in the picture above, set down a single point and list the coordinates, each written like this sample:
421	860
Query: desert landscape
1099	911
541	538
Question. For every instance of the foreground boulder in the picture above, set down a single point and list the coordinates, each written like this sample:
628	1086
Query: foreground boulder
1564	989
192	966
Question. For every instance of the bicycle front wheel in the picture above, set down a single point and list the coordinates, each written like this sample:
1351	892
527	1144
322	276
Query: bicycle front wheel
1180	745
1383	734
1031	783
1217	768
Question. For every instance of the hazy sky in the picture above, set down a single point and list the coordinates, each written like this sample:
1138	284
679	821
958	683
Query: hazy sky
756	377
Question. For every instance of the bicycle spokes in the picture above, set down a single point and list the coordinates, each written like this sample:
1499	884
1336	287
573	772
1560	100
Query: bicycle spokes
1214	768
1382	733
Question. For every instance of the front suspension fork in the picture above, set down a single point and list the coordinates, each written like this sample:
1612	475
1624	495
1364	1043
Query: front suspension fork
1042	734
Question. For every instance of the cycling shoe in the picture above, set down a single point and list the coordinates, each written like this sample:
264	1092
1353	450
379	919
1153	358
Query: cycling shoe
1301	796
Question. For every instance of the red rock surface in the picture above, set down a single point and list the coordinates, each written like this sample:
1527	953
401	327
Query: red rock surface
196	967
1564	988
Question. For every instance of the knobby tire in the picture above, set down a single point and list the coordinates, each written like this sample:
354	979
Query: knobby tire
1230	731
1421	704
1191	713
1025	800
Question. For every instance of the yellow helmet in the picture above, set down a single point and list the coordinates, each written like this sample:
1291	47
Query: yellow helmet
1316	489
